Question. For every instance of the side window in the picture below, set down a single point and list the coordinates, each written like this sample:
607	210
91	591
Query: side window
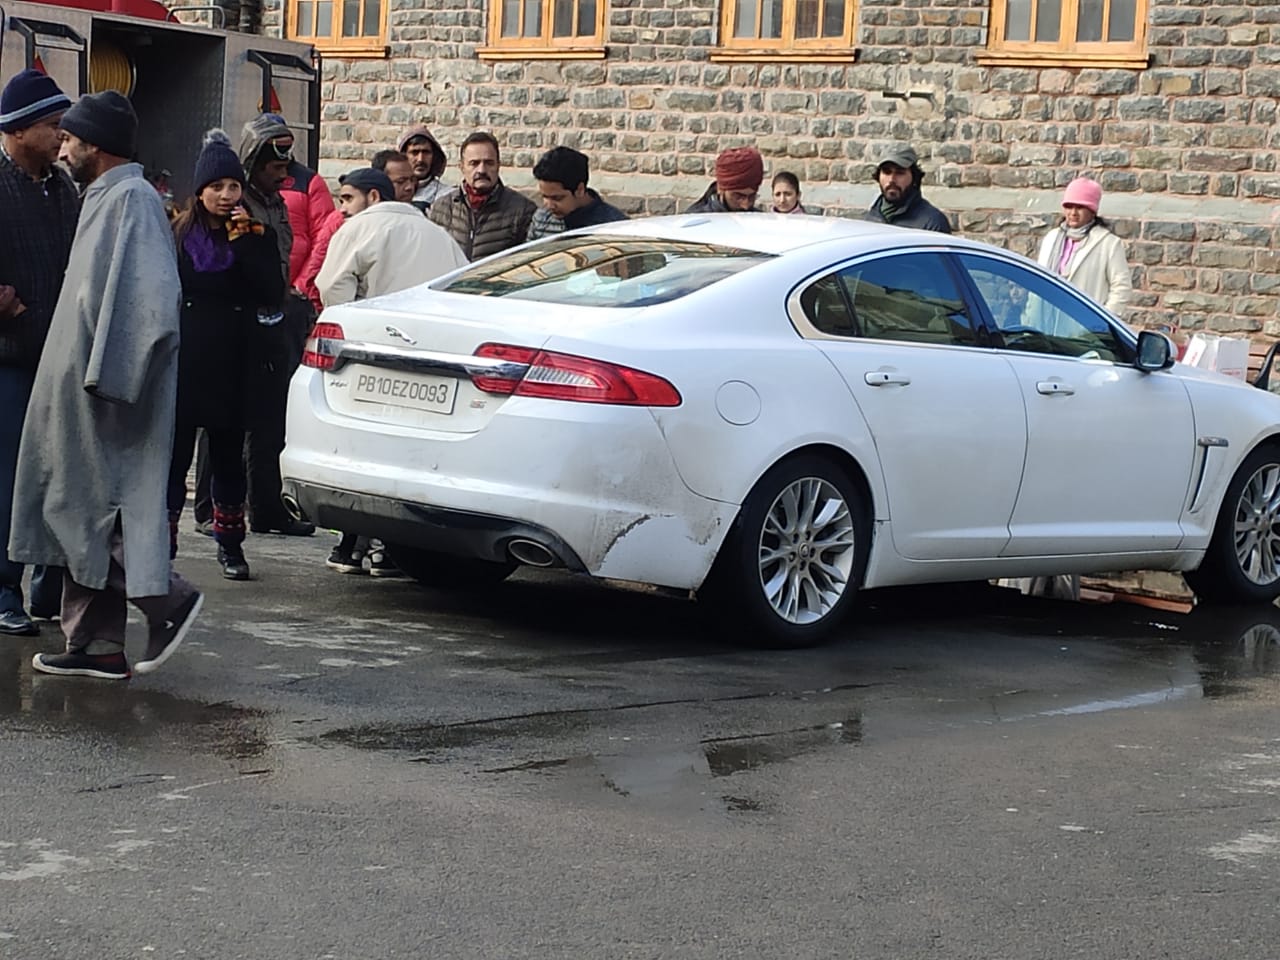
910	296
825	306
1033	315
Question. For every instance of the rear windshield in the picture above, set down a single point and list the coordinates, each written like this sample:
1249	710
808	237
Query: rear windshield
603	271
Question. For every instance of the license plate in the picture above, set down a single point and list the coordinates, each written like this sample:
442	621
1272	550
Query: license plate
418	391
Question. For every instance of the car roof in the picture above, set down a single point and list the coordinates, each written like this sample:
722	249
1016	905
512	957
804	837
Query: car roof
774	233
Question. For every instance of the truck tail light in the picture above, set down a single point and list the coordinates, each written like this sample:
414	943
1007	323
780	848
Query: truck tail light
562	376
322	346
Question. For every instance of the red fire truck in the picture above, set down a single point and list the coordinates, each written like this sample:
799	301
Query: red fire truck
182	78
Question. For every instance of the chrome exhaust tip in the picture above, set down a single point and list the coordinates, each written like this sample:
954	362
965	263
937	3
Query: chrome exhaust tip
294	508
531	553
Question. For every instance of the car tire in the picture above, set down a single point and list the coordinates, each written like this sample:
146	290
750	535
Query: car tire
433	569
1245	568
766	592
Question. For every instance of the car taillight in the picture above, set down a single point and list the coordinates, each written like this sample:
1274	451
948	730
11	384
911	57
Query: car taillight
322	346
562	376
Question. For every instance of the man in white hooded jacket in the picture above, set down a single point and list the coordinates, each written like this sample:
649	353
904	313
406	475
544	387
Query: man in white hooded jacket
383	246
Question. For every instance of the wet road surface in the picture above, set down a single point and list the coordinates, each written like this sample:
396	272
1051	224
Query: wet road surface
349	768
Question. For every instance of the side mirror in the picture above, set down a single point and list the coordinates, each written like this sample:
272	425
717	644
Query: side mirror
1155	352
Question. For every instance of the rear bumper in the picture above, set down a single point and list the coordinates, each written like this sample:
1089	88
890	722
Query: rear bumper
595	483
454	532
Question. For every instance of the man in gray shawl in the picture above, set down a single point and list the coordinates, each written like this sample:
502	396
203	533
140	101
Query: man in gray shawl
96	443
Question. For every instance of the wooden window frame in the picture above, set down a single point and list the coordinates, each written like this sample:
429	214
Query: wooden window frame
546	46
351	48
1066	52
781	49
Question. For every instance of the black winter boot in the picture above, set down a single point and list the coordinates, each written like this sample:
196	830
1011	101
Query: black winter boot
234	565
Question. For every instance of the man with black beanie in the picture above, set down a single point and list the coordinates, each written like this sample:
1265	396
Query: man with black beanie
38	207
93	465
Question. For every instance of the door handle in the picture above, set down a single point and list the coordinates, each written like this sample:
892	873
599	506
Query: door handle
882	378
1054	388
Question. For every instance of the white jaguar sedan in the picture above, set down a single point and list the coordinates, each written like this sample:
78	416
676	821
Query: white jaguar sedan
775	412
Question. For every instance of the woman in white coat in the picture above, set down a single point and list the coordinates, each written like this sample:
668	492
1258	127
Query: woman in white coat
1084	251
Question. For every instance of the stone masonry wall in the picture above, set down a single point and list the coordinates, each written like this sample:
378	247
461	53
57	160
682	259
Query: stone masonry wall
1187	149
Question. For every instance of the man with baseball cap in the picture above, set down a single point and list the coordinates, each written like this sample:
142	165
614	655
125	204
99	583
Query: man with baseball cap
739	173
900	203
93	465
38	207
384	246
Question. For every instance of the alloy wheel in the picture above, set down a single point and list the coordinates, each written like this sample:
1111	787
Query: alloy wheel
1257	519
806	550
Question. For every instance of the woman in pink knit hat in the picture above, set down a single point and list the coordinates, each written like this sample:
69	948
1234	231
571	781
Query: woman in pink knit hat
1084	251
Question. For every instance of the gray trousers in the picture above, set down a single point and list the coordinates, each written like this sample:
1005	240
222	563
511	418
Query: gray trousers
94	620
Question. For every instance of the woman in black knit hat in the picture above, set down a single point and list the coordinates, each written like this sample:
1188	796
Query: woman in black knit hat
229	265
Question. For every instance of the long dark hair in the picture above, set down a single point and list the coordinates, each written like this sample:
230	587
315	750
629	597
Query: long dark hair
194	212
787	177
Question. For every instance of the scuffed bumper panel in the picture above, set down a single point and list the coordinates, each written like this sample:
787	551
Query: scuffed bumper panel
598	479
455	532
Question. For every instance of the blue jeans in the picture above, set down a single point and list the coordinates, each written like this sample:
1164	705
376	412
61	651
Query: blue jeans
46	583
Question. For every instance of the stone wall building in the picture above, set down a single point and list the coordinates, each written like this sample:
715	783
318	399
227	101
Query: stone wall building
1170	104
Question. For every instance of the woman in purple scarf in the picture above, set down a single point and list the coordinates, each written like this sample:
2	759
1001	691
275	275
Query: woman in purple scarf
229	265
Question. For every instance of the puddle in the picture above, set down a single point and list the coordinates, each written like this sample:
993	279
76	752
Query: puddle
123	712
731	755
1234	649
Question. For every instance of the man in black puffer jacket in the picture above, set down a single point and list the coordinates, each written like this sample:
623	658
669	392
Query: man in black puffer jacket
898	175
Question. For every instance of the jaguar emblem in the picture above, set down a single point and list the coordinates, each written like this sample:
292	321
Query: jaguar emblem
400	335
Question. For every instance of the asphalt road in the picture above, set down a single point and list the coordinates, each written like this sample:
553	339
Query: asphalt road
337	767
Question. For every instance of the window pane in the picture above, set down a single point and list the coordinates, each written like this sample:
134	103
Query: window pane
1123	21
603	271
372	18
1048	20
833	18
1089	25
324	18
563	19
806	19
1034	316
771	22
351	18
1017	20
824	305
907	297
586	18
511	18
532	18
306	19
744	19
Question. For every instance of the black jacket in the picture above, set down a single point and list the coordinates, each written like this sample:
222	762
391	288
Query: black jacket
224	348
39	220
920	214
595	212
709	202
